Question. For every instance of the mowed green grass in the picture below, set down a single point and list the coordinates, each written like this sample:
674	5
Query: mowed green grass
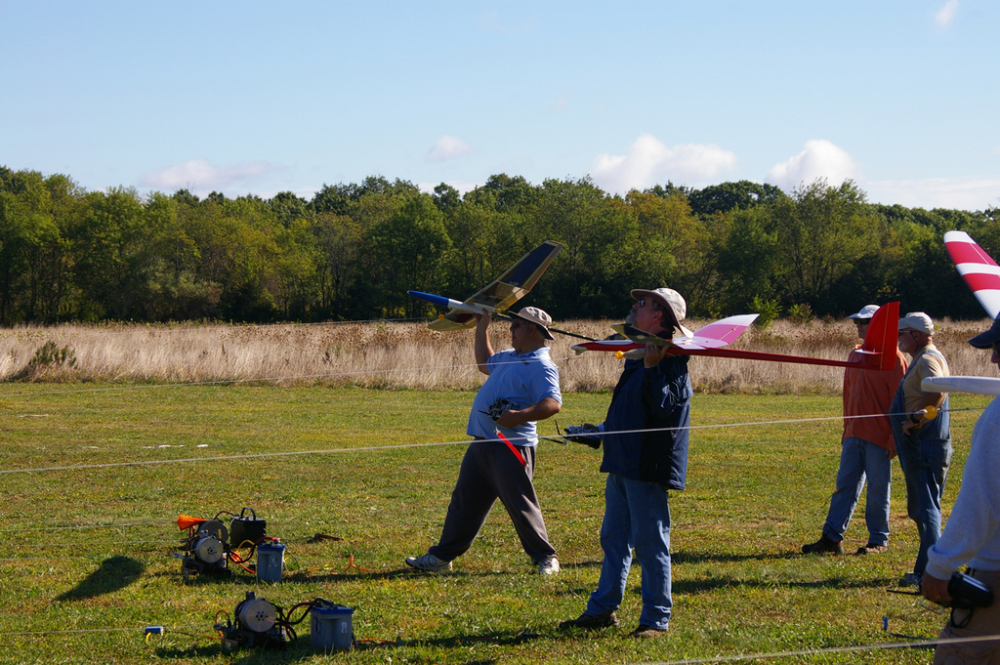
85	556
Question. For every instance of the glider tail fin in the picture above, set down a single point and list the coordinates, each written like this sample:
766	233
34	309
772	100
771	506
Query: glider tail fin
880	340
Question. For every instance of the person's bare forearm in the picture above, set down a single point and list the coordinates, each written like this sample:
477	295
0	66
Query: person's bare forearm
547	408
484	351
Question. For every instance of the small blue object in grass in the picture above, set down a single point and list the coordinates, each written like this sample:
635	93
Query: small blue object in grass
154	630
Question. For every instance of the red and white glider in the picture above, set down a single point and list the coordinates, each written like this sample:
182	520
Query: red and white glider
713	336
877	352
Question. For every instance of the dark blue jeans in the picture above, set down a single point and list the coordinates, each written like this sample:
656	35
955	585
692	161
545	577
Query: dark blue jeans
636	515
925	467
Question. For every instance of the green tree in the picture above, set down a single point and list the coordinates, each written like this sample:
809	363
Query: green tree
673	247
727	196
406	251
504	193
111	246
446	198
747	256
595	271
25	226
822	231
338	242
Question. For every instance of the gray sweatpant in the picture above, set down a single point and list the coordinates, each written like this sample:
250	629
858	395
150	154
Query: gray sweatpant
490	471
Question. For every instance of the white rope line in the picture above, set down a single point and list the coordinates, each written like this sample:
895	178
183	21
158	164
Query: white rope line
918	644
235	457
403	446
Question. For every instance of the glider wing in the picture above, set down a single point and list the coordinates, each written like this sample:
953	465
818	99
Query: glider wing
979	271
510	287
980	385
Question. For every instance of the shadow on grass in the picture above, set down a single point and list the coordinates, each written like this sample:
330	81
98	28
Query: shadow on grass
294	652
115	573
497	637
716	557
580	564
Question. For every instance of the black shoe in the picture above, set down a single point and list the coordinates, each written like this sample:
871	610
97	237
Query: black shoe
647	632
823	545
872	548
590	621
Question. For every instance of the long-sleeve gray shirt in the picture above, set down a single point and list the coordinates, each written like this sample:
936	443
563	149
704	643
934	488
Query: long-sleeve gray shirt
972	535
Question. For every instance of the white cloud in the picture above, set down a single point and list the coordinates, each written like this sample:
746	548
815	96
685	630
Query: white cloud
946	15
649	162
447	147
820	159
200	177
929	193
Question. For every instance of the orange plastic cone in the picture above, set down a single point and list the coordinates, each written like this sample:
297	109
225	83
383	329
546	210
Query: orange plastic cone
186	521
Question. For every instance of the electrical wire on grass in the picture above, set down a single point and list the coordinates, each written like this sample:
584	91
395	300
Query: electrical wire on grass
72	631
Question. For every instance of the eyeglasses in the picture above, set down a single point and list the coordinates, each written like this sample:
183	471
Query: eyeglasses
642	302
906	332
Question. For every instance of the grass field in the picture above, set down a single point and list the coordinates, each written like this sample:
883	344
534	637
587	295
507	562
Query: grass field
85	557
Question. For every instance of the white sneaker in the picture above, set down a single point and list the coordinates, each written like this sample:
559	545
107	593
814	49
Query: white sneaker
430	563
548	566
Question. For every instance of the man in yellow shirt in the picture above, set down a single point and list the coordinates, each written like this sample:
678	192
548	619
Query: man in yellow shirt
922	442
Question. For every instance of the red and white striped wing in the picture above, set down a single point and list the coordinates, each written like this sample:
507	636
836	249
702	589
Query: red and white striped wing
979	271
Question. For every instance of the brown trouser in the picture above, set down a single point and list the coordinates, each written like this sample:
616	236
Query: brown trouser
489	471
985	621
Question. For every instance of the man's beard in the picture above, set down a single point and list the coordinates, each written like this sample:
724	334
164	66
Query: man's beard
630	319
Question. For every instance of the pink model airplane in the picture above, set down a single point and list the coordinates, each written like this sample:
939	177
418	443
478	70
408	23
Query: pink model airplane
877	352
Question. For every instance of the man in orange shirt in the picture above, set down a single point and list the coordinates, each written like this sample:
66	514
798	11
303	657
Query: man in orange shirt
867	449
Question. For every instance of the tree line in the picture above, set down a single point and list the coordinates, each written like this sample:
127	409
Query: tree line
353	251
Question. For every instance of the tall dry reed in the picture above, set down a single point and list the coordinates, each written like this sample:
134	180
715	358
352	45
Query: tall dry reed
408	355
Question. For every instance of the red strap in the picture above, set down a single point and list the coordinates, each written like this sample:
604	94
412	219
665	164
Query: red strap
517	453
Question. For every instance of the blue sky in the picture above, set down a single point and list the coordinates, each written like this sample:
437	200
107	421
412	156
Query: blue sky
261	97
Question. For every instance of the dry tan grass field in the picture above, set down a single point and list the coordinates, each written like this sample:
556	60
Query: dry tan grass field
409	356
